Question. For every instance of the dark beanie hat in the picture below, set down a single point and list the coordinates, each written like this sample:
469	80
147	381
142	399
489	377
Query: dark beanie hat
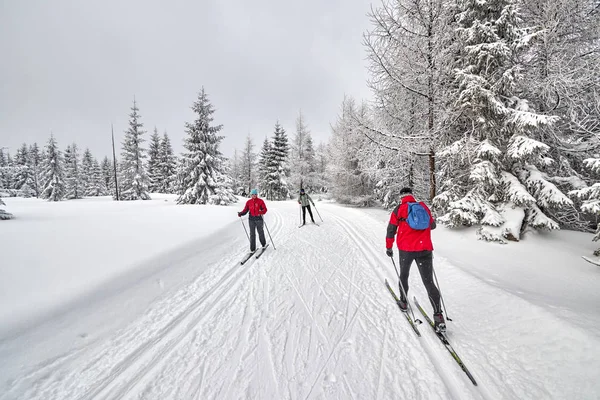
405	190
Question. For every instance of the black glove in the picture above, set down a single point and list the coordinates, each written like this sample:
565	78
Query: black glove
389	252
239	214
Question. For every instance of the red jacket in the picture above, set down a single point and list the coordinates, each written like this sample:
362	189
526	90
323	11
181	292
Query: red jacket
256	207
408	239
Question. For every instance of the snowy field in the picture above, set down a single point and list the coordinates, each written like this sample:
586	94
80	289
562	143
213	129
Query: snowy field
147	300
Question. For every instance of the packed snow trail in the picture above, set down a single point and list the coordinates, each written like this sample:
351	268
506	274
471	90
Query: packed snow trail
309	320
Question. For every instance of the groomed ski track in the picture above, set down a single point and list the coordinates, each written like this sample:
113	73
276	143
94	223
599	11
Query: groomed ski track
309	320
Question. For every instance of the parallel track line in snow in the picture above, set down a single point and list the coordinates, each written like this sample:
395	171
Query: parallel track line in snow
174	332
449	379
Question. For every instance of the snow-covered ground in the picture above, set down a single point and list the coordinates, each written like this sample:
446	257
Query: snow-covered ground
109	300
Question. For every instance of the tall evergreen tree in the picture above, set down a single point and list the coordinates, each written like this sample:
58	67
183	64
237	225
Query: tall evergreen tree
281	150
53	184
97	183
73	173
266	174
6	170
154	167
493	176
3	170
23	175
133	178
87	171
167	166
108	176
201	173
35	161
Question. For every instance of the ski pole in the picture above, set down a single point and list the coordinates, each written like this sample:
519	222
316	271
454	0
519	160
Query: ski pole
269	233
245	230
317	212
440	290
300	209
404	294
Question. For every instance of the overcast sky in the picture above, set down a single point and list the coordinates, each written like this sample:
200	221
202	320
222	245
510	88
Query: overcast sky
73	67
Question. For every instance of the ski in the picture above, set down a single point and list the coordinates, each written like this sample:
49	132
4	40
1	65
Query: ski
405	312
261	251
444	339
314	223
597	263
247	257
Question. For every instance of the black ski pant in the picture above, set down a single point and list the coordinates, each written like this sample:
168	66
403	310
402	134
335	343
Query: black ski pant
424	261
304	208
256	225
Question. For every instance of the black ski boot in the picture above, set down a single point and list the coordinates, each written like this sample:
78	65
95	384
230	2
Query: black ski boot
439	322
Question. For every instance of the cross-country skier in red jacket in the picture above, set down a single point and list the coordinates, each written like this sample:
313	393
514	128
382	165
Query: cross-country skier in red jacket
257	208
414	245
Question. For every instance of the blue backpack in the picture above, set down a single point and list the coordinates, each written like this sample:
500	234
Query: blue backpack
418	217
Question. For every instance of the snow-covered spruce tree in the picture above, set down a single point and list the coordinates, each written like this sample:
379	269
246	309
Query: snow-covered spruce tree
493	172
35	162
167	166
267	174
3	170
73	173
53	183
590	196
280	150
201	173
133	180
97	183
87	171
154	173
24	180
562	78
4	215
108	176
7	170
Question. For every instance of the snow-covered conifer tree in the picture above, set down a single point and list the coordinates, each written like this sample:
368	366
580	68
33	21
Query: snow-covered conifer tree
35	162
53	184
590	196
154	170
108	176
97	183
87	171
73	173
3	213
280	150
267	174
168	166
24	180
201	173
492	173
133	180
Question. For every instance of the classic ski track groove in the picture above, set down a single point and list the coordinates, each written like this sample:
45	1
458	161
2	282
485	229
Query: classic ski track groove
109	387
449	378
